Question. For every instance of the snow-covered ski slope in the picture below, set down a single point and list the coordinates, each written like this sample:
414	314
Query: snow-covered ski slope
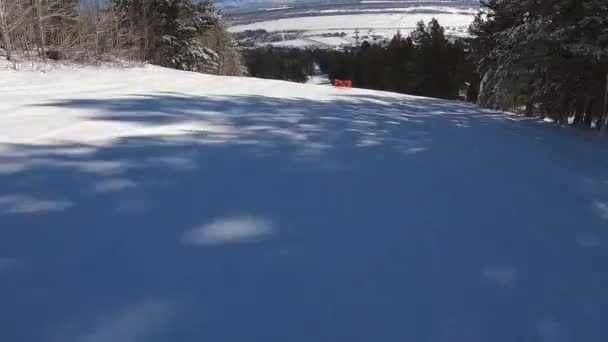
156	205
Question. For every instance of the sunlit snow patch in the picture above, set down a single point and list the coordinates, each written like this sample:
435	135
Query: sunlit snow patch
114	185
503	276
587	240
140	321
601	209
18	204
226	230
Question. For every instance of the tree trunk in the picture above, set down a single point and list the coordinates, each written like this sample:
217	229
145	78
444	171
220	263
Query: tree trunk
4	32
579	112
606	99
529	107
482	97
36	8
145	27
603	121
117	31
587	115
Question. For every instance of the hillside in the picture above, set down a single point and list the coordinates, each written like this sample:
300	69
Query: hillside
149	204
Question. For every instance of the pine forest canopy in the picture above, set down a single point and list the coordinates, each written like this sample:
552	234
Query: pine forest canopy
552	55
183	34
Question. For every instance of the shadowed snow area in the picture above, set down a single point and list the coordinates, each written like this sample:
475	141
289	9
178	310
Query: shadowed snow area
157	205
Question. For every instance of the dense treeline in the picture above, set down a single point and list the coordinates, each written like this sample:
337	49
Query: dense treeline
424	63
544	57
290	64
183	34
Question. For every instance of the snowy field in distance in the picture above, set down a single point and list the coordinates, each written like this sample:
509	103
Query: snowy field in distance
355	21
396	10
375	22
313	30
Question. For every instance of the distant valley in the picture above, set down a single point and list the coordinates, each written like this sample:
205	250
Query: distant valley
332	24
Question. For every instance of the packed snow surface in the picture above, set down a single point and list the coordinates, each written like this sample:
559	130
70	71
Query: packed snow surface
155	205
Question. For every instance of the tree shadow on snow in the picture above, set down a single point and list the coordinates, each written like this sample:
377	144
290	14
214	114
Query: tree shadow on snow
354	219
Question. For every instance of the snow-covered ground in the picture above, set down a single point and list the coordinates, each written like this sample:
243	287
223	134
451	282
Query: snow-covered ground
381	25
417	9
352	22
318	77
372	21
313	41
155	205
